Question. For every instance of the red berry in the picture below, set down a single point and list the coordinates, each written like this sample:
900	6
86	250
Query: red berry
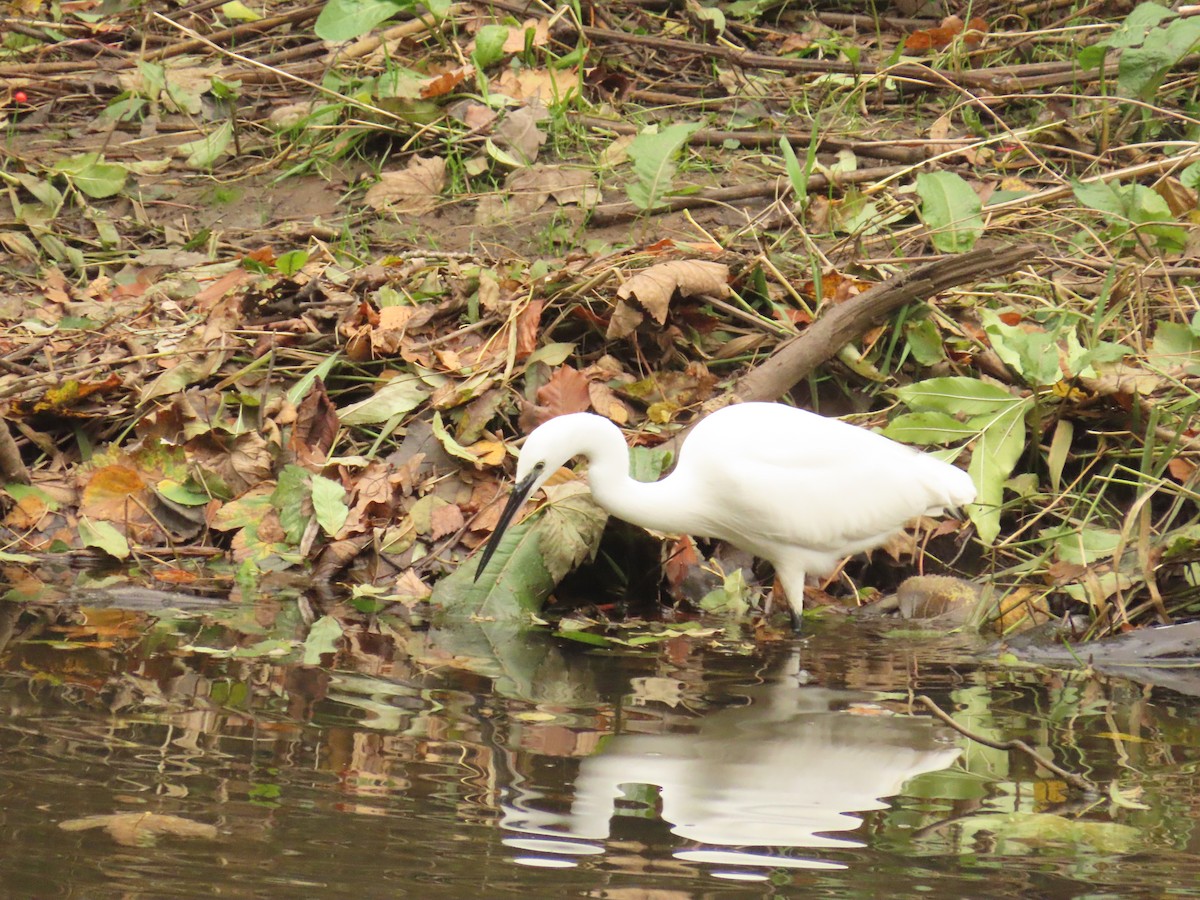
20	97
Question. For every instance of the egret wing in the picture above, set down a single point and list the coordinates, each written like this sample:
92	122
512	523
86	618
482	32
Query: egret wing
780	476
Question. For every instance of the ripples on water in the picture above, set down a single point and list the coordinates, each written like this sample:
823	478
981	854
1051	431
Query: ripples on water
485	763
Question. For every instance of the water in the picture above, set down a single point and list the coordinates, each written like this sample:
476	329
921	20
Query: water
478	762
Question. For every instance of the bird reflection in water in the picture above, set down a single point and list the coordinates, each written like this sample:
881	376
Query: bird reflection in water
790	770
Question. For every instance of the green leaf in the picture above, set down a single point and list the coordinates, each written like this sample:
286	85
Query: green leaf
300	389
237	11
322	638
291	262
957	394
531	559
204	152
1174	345
925	342
797	174
397	397
103	536
1141	69
329	504
181	494
994	456
648	463
453	447
585	637
489	45
93	177
1099	195
20	491
345	20
654	155
1190	177
47	194
730	599
291	494
928	428
951	210
1033	353
550	354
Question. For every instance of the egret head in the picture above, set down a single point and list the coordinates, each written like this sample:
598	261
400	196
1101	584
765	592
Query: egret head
548	448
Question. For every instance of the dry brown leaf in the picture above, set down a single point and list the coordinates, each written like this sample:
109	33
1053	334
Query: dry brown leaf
490	453
547	85
444	520
415	189
941	37
528	324
565	392
110	493
519	132
410	589
315	427
446	82
654	287
566	184
1180	198
606	403
517	37
624	322
1181	469
141	829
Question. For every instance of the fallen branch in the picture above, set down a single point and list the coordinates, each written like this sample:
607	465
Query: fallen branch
795	359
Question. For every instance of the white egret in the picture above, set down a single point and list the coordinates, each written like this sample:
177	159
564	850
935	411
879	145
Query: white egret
799	490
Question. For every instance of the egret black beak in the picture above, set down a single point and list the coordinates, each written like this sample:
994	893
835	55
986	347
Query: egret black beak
520	494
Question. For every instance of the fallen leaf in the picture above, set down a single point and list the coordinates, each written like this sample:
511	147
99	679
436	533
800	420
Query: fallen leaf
654	287
142	829
535	32
446	82
415	189
519	131
606	403
942	36
565	392
111	493
527	328
534	185
445	520
546	85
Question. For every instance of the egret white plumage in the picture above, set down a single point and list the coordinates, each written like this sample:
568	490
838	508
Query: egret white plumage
797	489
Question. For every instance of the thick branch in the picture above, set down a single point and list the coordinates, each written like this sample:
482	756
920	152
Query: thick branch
794	360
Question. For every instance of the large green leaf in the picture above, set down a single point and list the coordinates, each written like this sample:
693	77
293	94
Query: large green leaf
398	396
951	210
91	175
929	427
531	559
995	454
207	150
329	504
103	536
654	155
344	20
957	394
